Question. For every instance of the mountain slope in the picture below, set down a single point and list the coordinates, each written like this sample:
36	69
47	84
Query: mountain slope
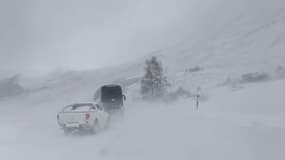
226	39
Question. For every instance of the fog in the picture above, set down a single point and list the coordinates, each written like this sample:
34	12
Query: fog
39	36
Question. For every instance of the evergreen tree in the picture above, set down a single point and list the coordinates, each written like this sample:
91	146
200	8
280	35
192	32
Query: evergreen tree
154	82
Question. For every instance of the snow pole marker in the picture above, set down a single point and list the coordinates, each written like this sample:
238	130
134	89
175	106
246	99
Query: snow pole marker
197	102
198	97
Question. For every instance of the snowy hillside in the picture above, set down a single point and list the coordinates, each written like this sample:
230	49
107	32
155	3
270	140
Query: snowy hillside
226	40
249	38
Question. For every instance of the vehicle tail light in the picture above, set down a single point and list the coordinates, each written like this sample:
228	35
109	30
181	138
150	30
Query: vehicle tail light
87	116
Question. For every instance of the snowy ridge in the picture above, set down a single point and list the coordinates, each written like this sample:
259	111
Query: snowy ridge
249	38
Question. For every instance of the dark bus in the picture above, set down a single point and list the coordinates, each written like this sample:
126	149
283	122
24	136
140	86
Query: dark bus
112	97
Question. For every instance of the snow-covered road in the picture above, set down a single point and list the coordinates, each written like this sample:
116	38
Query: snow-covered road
154	131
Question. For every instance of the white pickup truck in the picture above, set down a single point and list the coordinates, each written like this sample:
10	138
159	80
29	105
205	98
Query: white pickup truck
82	117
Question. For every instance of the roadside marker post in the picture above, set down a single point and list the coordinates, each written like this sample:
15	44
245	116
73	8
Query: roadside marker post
198	90
197	102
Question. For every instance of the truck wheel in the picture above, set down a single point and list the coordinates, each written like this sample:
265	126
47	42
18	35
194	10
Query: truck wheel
67	131
107	123
95	127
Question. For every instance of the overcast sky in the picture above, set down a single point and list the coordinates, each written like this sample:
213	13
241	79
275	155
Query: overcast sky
38	36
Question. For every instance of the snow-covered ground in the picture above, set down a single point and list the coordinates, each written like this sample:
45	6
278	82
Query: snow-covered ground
238	120
246	124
